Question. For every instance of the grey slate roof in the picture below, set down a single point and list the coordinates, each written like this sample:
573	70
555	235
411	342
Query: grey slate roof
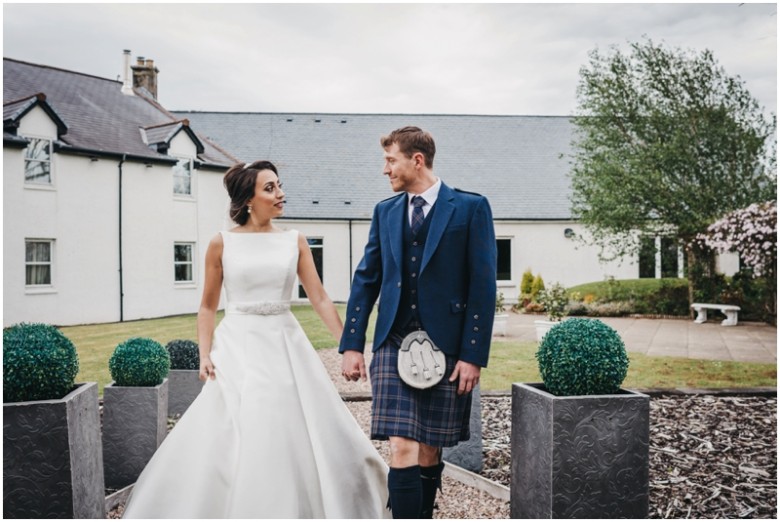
98	116
519	162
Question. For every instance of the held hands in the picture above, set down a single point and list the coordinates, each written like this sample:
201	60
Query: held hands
206	369
468	374
353	366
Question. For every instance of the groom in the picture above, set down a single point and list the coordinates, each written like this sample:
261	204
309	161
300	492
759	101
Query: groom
431	255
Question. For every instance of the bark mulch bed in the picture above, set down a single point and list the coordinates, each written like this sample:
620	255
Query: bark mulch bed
710	456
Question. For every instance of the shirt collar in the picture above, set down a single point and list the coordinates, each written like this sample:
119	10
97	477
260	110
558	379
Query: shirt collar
429	195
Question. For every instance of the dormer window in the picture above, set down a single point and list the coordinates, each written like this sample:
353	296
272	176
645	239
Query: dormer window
182	178
37	162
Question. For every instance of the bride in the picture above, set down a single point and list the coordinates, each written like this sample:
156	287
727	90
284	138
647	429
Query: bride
268	436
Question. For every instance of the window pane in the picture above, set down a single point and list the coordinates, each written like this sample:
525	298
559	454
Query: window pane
38	150
668	257
38	275
183	272
37	172
38	251
504	260
647	257
316	252
182	253
181	185
182	177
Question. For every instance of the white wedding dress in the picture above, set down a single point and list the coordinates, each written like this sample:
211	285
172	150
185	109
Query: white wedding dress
269	437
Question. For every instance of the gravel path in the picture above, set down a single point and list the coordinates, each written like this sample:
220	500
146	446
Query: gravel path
456	500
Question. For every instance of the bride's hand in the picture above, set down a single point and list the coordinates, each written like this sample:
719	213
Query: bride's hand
206	369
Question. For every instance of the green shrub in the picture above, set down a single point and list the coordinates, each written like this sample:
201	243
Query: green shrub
754	295
184	354
537	286
500	303
582	357
668	296
554	301
139	362
526	282
39	363
616	309
577	308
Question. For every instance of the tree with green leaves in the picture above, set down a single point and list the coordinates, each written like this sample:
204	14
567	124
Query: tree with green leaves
666	142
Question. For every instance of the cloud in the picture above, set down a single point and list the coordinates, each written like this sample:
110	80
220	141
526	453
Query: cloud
382	58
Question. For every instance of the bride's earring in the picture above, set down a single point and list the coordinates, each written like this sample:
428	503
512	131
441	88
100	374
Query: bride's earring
249	209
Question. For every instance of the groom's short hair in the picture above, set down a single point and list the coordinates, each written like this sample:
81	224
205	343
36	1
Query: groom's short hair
411	140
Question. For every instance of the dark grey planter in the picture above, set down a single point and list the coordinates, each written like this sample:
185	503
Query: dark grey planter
134	425
579	457
468	454
52	458
183	387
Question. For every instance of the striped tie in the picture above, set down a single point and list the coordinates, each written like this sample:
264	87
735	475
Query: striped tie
417	213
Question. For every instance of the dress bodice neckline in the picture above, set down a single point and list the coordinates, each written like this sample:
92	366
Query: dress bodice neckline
259	233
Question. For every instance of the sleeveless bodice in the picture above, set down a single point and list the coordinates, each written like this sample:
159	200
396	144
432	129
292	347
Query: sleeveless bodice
258	270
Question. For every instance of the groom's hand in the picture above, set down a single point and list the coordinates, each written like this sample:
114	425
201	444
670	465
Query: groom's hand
353	366
468	374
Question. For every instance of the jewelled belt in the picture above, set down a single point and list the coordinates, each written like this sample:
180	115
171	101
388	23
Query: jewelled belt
258	308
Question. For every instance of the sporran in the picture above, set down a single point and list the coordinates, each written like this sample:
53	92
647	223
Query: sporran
420	362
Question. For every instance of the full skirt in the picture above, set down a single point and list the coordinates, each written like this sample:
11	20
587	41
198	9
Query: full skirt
269	438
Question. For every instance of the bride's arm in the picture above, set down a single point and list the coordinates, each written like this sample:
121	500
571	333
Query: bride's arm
307	273
207	314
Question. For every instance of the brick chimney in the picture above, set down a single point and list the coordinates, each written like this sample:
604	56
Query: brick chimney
145	75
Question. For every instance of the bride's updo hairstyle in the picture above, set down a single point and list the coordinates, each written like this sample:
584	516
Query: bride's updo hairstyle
240	182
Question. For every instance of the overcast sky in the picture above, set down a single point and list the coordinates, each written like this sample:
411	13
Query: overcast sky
519	59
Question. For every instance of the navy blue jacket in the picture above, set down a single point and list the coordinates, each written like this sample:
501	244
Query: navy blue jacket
457	280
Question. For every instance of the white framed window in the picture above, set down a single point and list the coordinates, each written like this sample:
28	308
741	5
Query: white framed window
183	264
316	245
37	162
38	258
182	178
504	259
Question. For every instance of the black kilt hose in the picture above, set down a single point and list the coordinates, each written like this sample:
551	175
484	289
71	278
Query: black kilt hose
436	416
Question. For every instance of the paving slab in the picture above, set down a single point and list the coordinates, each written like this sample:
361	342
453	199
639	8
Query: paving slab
745	342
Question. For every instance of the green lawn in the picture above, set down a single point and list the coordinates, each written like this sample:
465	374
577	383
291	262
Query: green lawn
624	289
509	361
515	362
96	342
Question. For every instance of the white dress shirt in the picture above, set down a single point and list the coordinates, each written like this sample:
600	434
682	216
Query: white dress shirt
429	196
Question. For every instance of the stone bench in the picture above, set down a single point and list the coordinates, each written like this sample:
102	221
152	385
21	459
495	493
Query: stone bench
730	311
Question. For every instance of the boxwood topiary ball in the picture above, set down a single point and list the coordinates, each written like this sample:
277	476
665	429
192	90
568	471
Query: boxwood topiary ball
582	357
139	362
184	354
39	363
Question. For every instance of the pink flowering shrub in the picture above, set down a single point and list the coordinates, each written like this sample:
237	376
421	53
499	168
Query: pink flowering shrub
751	232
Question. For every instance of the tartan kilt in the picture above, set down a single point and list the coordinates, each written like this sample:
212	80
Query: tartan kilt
436	416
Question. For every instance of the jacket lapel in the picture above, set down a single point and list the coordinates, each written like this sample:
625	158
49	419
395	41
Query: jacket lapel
444	210
396	217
